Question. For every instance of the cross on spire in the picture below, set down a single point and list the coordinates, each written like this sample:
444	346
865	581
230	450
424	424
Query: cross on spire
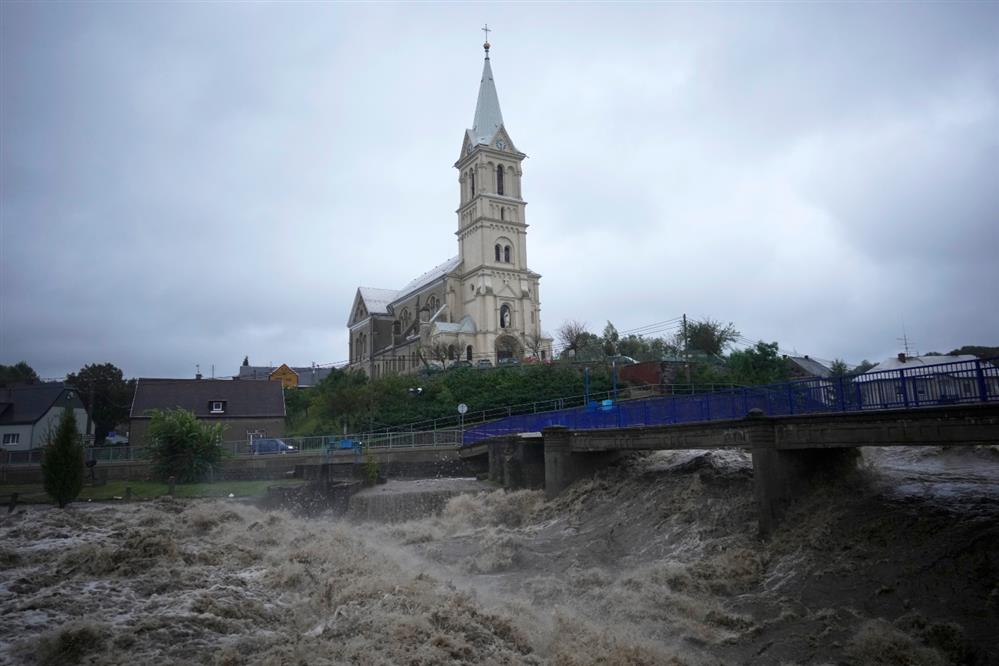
486	30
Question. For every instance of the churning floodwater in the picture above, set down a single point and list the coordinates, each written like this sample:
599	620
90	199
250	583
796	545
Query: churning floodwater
654	561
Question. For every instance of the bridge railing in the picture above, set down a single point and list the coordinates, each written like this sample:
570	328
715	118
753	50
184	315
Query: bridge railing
965	382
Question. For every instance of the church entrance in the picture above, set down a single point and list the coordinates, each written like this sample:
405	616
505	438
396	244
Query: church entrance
507	346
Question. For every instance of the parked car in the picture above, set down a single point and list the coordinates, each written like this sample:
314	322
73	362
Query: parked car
483	363
460	364
266	445
508	361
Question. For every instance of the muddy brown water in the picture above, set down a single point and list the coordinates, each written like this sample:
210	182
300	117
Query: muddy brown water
655	561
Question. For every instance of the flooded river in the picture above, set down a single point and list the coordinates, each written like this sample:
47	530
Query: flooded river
655	561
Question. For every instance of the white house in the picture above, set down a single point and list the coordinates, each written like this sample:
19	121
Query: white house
29	413
914	380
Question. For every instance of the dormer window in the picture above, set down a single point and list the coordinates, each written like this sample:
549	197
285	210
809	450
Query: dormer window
217	407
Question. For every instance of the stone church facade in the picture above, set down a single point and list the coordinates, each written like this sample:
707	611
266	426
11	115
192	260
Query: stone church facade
482	305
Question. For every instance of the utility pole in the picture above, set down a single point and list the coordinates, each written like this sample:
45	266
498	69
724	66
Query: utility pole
686	356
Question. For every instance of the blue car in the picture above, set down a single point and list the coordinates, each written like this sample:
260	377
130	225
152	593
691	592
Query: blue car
267	445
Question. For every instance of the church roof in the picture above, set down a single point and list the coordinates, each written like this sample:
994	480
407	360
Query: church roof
466	325
434	273
488	117
377	300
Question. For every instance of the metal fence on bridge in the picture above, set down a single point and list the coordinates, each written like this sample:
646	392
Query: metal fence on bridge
965	382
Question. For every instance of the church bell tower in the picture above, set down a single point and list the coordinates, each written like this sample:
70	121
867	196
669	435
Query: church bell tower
498	289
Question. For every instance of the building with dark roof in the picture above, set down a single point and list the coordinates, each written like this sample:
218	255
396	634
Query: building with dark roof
30	412
247	409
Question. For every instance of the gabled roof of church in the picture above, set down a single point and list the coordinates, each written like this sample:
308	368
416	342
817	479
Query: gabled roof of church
434	273
377	300
488	117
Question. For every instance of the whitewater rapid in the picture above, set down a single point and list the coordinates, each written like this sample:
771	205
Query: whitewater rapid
654	561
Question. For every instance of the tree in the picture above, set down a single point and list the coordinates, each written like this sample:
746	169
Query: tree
19	373
62	461
182	446
839	368
708	336
863	367
535	343
571	335
246	361
106	395
610	340
760	364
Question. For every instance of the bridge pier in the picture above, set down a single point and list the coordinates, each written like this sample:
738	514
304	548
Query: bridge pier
781	476
517	461
563	466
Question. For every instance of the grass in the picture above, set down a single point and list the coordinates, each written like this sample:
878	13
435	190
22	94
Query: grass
35	493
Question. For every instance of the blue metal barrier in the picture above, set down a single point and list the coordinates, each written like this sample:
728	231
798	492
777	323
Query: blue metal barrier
965	382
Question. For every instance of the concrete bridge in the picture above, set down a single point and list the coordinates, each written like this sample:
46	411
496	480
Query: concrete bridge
789	452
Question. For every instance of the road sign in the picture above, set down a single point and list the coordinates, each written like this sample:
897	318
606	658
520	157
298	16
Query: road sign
462	408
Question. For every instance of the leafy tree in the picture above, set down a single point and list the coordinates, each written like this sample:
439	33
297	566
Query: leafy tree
106	395
19	373
863	367
246	361
839	368
708	336
610	339
182	446
62	461
976	350
760	364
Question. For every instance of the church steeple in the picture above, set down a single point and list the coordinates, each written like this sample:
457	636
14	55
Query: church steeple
488	117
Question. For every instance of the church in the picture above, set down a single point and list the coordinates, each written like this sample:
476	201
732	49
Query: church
481	306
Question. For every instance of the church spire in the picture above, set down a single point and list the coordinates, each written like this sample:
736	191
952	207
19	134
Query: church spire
488	117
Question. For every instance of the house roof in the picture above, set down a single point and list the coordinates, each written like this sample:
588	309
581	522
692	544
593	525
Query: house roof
243	399
27	403
488	117
913	364
811	366
307	376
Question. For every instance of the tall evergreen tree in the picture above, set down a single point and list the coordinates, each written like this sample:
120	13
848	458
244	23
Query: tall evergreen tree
62	461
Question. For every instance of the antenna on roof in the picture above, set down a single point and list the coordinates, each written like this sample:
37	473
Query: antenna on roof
904	339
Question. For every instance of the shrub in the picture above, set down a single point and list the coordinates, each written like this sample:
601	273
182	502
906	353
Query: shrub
62	461
182	446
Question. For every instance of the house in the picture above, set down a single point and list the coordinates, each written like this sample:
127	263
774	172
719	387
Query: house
805	367
913	380
247	409
30	412
290	377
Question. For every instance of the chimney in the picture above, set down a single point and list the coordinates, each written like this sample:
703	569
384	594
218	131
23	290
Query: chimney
901	357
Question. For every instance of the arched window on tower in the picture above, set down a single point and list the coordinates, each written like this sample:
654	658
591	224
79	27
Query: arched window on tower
506	254
497	248
502	212
499	179
471	180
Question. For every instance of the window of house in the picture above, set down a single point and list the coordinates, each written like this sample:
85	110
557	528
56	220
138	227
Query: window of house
499	179
218	407
506	254
11	437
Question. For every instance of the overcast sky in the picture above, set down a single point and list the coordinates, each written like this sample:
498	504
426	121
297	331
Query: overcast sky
187	183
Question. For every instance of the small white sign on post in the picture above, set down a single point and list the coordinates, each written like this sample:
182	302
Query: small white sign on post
462	408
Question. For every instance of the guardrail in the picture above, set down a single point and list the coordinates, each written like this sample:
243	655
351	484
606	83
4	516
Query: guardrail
965	382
